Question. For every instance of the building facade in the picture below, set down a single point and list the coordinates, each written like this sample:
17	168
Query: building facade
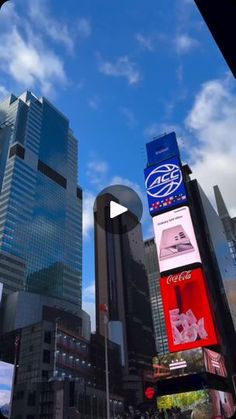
122	284
229	223
40	201
153	273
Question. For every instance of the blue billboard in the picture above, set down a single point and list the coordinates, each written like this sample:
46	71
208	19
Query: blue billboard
162	148
165	185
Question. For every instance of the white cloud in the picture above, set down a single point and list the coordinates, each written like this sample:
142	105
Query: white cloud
3	92
96	172
212	122
84	27
89	292
88	222
129	116
144	41
123	67
29	62
57	31
94	102
185	43
89	307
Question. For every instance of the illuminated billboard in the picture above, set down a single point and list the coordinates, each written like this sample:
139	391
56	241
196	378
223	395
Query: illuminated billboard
222	404
165	185
162	148
191	404
188	317
200	404
214	362
178	364
6	380
175	239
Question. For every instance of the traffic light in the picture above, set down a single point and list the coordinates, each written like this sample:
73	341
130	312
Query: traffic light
220	17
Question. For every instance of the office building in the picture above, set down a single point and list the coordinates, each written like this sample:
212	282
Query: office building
229	223
153	273
122	284
59	367
40	201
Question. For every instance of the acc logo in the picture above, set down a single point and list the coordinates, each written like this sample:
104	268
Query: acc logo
164	180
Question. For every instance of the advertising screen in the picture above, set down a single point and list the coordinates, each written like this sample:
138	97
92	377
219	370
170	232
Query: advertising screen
164	185
178	364
214	362
175	239
188	405
162	148
222	404
188	317
6	379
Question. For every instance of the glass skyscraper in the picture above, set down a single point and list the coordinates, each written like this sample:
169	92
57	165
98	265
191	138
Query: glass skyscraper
40	201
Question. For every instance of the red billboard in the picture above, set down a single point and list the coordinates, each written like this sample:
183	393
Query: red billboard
188	316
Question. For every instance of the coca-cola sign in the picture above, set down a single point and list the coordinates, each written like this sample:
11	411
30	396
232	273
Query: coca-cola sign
182	276
187	311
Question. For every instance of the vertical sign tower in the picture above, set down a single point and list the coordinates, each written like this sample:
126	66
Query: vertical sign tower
189	319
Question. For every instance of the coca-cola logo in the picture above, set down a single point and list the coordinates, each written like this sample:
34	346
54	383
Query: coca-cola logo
182	276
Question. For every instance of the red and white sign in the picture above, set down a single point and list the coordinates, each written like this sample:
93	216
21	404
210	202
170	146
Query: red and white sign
175	239
188	316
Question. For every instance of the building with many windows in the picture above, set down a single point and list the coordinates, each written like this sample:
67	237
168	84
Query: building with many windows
229	223
153	273
40	201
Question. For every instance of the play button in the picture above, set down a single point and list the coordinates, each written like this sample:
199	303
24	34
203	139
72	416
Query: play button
118	209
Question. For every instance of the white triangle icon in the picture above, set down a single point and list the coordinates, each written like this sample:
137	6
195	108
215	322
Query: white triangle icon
116	209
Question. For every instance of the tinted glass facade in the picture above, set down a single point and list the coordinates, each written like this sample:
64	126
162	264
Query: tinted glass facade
153	273
40	208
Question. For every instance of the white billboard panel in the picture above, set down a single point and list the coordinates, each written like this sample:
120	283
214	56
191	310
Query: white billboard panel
175	239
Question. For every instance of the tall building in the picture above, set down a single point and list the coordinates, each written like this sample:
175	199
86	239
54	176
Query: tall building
229	223
153	273
122	284
40	202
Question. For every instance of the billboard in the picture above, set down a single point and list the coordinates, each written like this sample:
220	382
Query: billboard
6	380
214	362
162	148
188	317
178	364
191	404
222	404
175	239
165	185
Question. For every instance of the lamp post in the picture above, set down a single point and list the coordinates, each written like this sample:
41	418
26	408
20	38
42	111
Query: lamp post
104	309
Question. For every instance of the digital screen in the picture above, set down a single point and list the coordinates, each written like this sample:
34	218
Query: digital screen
214	362
192	404
188	317
162	148
164	185
222	404
6	379
175	239
177	364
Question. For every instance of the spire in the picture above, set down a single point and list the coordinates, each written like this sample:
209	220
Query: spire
221	207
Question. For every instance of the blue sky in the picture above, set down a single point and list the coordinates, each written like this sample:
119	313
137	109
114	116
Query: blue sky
123	71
